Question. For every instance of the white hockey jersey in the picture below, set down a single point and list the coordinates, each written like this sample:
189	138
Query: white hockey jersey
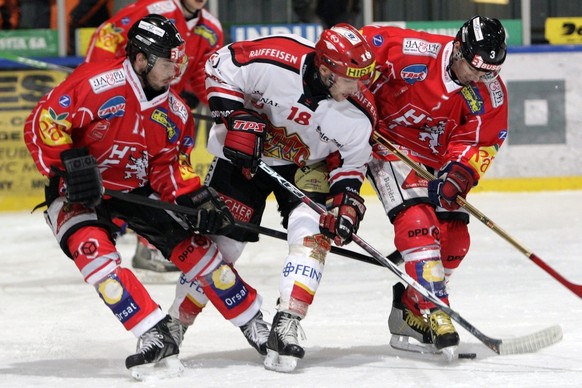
275	76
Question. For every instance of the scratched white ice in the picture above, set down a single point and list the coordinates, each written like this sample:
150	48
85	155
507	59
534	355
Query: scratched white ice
56	331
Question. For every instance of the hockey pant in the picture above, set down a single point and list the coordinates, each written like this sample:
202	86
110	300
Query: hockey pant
432	246
90	245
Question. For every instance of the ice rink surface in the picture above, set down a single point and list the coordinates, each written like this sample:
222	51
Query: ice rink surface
57	332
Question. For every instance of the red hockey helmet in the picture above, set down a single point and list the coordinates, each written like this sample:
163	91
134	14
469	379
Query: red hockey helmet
345	52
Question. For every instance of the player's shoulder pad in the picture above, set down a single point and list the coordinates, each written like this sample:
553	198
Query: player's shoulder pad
286	51
364	101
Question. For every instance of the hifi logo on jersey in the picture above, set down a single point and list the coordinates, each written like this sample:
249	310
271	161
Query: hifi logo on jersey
413	73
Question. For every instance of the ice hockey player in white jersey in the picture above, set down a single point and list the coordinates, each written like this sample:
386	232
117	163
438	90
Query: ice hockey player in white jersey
305	111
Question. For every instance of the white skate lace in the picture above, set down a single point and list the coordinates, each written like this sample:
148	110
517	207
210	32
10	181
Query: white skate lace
289	329
149	340
257	330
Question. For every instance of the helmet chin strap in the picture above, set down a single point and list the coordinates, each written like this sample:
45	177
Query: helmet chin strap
454	57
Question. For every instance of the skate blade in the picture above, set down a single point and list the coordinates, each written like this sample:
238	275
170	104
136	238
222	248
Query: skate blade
275	362
167	368
402	342
449	353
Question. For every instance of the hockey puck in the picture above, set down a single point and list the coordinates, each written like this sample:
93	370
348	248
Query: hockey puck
470	356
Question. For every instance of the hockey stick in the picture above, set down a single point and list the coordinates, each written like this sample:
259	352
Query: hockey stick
524	344
36	63
141	200
575	288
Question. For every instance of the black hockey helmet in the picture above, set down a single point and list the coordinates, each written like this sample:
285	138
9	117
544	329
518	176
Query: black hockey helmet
157	37
483	43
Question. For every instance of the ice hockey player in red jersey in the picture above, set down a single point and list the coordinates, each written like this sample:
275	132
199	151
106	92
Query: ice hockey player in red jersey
117	125
304	111
203	35
441	101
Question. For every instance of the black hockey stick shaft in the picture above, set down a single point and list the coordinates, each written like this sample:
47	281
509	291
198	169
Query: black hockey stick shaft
491	343
575	288
151	202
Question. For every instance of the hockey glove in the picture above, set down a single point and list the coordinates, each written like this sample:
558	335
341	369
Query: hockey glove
212	215
345	211
82	177
243	144
453	180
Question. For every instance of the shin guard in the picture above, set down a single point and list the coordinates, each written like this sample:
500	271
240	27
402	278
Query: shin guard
417	238
95	256
233	298
189	301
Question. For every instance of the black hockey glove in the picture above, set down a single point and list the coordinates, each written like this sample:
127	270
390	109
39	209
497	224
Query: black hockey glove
345	211
212	215
243	144
453	180
82	177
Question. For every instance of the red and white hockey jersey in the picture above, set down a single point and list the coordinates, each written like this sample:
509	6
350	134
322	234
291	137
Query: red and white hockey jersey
102	106
422	109
203	35
268	75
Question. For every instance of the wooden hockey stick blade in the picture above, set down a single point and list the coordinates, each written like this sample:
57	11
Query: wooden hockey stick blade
521	345
575	288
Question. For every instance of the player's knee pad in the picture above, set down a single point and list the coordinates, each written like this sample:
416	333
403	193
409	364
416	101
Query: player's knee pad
127	298
416	227
233	298
189	301
93	253
196	255
455	243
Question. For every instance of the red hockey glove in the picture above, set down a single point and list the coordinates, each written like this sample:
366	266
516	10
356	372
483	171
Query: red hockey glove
453	180
345	211
213	216
82	177
243	144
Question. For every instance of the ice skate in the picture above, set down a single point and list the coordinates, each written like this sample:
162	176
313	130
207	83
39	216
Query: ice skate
444	335
150	259
283	349
156	355
257	331
177	330
405	326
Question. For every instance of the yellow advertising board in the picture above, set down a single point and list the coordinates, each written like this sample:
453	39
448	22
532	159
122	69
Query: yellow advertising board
21	185
564	30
